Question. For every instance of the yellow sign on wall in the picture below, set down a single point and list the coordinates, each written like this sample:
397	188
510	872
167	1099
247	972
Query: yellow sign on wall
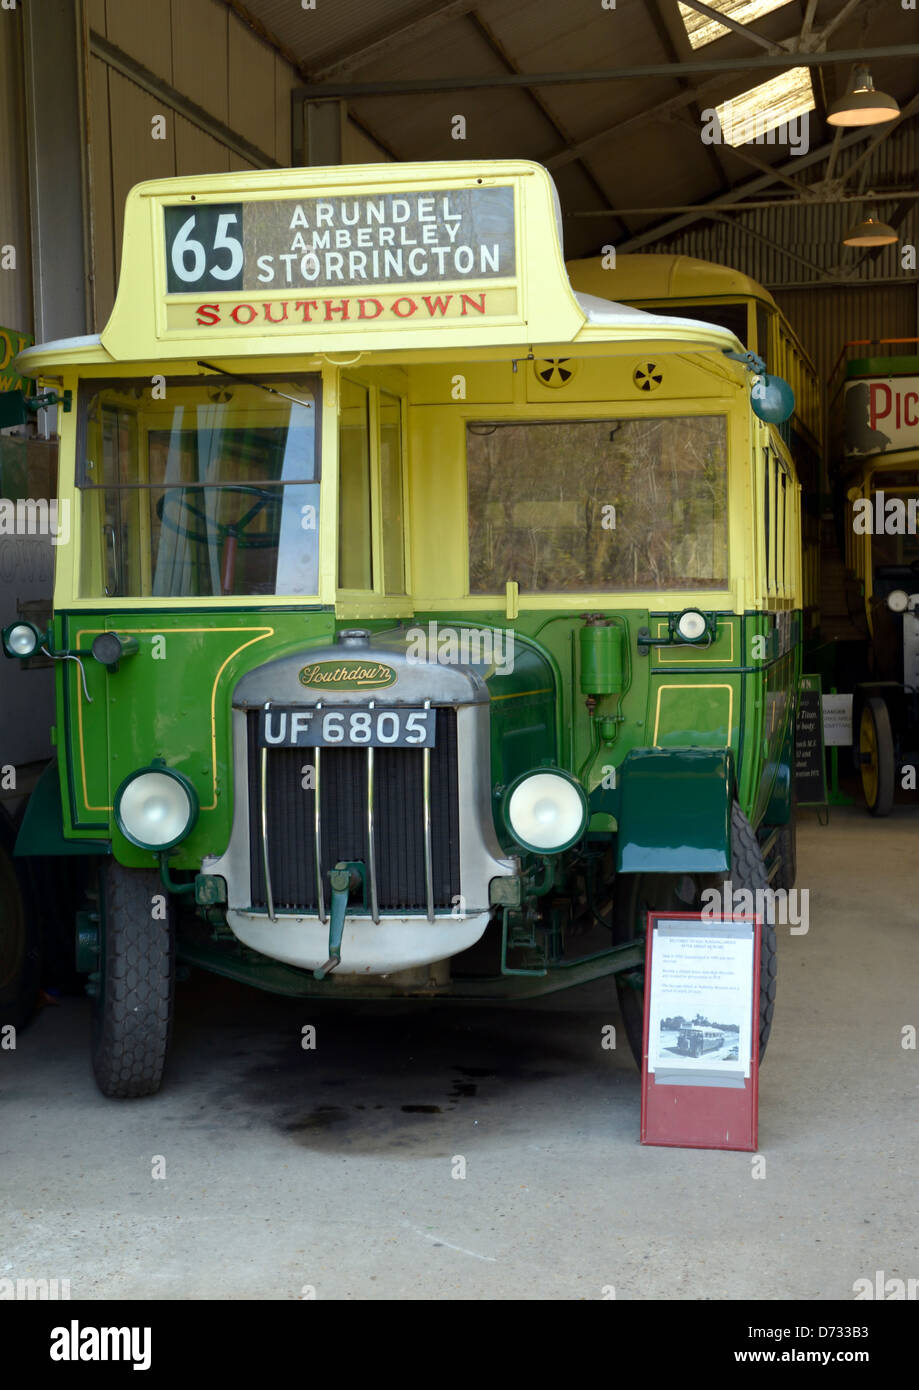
11	342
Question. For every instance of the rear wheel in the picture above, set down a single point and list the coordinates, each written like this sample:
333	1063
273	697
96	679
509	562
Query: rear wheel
877	761
638	894
134	985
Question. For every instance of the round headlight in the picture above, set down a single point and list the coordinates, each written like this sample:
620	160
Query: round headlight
898	600
691	625
156	808
546	811
21	639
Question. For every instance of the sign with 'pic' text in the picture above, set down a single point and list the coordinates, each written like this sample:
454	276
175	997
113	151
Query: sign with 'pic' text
881	414
341	240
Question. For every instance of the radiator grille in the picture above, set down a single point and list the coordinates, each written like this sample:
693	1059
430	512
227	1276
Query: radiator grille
398	821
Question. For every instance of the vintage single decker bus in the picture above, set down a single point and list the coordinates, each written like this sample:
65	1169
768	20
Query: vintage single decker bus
424	623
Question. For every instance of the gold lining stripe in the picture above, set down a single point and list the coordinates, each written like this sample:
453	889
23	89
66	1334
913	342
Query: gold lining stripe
94	631
692	685
522	694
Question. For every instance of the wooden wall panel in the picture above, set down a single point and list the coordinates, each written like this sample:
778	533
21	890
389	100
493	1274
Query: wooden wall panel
144	31
102	228
15	285
135	155
197	152
251	81
285	80
200	53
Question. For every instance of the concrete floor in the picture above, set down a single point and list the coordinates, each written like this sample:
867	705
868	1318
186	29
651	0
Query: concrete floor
288	1168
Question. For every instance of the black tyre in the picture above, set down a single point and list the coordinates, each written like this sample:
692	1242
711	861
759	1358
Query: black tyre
877	760
637	894
786	852
135	983
20	948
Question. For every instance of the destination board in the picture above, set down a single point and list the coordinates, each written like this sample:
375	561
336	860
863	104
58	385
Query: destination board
380	238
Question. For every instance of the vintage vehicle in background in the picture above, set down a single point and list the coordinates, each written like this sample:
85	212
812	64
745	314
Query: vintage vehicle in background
694	1040
875	409
409	642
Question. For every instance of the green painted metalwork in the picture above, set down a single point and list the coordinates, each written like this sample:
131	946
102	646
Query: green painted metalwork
42	830
675	811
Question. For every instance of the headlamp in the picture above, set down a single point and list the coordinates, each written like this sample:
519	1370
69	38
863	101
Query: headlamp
156	807
21	639
545	811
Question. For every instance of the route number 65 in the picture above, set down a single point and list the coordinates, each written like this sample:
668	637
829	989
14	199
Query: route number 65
190	258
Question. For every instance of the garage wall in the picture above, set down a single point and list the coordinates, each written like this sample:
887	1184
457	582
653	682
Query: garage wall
15	285
210	57
825	319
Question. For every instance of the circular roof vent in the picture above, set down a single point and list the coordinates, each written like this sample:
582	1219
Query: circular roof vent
647	376
555	371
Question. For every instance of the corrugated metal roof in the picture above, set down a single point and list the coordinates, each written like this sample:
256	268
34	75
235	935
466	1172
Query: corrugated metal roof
803	244
653	161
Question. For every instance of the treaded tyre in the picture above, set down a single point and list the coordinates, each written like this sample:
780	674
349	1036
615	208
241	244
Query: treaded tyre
636	894
135	983
786	850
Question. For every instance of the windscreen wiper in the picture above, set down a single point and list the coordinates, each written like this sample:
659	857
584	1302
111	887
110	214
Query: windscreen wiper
252	381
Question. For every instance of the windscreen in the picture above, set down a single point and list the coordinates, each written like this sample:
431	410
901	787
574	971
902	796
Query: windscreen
204	488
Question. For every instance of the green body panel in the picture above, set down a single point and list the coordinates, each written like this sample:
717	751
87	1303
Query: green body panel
675	811
172	700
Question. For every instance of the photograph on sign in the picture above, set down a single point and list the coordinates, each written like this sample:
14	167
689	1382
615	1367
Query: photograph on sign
701	997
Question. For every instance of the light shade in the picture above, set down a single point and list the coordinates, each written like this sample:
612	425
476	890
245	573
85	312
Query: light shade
870	232
863	105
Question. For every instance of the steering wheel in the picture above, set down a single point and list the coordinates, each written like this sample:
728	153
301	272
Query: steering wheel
224	530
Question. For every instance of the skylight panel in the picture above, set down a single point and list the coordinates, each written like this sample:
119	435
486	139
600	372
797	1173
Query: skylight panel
702	30
750	116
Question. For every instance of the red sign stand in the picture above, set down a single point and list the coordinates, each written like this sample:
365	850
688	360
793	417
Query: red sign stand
700	1062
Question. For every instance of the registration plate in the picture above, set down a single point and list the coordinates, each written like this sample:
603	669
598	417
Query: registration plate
346	727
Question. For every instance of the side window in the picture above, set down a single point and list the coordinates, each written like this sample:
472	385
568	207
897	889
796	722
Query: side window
355	498
391	493
783	560
768	522
763	346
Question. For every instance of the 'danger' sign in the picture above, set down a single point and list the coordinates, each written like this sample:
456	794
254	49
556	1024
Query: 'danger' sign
341	239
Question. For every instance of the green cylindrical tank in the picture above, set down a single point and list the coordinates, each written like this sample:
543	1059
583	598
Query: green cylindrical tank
601	658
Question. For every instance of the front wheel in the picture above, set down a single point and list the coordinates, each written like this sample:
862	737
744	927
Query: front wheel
876	757
638	894
134	986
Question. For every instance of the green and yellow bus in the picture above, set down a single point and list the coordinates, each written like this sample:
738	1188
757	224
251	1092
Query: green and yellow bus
424	622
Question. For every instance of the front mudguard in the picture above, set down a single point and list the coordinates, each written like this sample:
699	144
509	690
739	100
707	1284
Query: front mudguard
674	810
